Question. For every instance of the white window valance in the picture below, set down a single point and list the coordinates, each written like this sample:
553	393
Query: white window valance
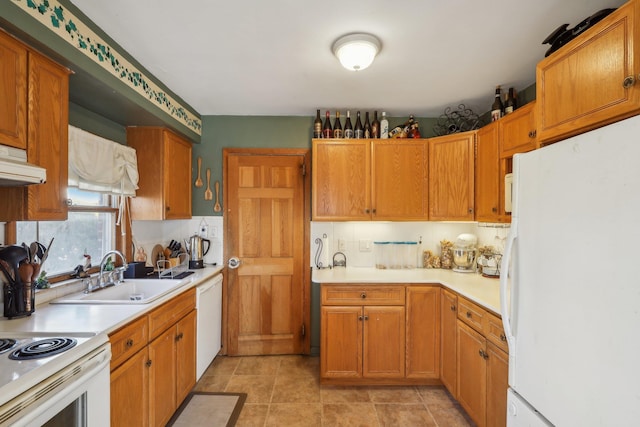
99	164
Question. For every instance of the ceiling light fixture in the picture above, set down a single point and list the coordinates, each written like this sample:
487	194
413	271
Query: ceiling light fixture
356	51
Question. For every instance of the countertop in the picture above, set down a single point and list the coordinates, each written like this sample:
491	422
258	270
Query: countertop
481	290
103	318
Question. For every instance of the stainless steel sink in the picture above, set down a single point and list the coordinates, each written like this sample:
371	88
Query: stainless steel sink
131	291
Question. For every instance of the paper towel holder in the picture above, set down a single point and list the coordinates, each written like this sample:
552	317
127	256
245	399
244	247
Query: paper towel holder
320	242
339	259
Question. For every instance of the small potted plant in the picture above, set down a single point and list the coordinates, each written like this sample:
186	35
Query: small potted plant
41	281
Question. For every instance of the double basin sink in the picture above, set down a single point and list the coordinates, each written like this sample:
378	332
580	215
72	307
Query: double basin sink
131	291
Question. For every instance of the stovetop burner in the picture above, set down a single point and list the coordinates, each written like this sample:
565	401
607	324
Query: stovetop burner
43	348
6	344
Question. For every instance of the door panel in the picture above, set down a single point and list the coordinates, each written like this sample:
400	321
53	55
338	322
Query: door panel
266	216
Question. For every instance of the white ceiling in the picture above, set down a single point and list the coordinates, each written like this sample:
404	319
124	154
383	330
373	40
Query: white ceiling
256	57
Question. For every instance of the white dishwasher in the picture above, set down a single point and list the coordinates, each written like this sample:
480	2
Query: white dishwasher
209	313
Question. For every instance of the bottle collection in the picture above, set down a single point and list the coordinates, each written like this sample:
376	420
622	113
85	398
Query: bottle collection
499	108
370	129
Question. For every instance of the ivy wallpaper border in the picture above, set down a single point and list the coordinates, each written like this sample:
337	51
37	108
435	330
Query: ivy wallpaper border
61	21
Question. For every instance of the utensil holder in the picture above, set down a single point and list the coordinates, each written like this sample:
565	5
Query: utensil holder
19	299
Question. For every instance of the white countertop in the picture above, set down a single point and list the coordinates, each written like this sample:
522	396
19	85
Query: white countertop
100	318
484	291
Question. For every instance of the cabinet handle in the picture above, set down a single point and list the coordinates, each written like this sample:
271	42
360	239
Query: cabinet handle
363	295
468	315
129	343
628	82
453	308
148	363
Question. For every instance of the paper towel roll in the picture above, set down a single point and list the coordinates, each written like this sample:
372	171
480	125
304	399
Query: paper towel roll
324	255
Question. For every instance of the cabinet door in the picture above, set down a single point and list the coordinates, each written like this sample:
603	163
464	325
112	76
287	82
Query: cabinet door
177	177
518	131
162	378
130	392
448	343
48	138
13	92
423	332
399	176
451	180
341	347
497	385
487	183
185	356
384	342
341	180
472	373
582	85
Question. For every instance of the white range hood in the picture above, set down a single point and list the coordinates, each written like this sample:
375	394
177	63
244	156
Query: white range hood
16	171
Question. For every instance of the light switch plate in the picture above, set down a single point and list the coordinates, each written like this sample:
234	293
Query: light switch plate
366	245
342	245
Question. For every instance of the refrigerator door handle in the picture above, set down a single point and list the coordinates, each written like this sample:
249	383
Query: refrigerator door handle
504	275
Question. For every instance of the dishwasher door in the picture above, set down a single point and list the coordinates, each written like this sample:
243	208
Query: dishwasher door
209	313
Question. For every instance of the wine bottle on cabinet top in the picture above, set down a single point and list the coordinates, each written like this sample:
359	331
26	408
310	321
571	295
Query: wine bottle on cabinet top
511	103
348	129
317	126
384	126
327	132
367	127
358	131
375	126
337	126
497	109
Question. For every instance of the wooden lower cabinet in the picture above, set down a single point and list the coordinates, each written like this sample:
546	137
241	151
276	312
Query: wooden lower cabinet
148	386
448	344
472	373
423	332
497	385
383	352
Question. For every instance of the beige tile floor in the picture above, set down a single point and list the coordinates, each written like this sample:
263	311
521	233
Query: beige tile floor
286	391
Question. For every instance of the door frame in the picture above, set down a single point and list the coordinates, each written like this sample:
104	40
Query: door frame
306	279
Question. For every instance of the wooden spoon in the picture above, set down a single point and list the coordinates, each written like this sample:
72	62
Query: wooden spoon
208	194
217	207
199	180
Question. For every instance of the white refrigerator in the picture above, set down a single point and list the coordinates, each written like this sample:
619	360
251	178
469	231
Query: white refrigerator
570	284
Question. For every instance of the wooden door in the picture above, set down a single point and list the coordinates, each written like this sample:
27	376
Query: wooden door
13	92
342	180
449	352
451	169
130	392
341	346
383	342
518	131
423	332
177	177
399	180
185	356
497	385
267	230
487	188
592	80
162	378
472	373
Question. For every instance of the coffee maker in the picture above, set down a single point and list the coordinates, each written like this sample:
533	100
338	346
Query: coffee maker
197	251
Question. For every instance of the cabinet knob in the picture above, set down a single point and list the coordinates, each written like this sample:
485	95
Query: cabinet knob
148	363
167	208
483	354
374	211
494	209
628	82
360	318
533	133
129	343
363	295
453	308
468	315
179	336
366	317
503	337
470	210
367	211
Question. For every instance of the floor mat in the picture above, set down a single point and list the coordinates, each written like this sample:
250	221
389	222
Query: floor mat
209	409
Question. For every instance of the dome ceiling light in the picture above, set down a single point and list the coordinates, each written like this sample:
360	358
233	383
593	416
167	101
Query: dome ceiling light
356	51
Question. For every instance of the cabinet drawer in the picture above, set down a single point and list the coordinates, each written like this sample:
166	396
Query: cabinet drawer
363	295
472	314
126	341
169	313
495	332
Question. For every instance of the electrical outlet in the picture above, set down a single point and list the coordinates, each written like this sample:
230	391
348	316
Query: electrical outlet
204	231
342	245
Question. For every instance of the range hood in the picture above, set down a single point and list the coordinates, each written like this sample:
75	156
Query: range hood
16	171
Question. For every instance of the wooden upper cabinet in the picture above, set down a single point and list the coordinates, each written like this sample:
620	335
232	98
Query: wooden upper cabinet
399	180
13	92
593	80
341	180
518	131
164	166
451	177
487	170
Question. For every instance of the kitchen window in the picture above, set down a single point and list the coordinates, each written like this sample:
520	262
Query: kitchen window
90	228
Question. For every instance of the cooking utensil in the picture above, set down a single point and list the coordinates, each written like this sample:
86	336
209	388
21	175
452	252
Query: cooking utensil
26	248
33	249
199	180
217	207
208	194
46	252
26	274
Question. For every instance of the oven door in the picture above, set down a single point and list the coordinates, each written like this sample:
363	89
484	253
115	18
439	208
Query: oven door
77	395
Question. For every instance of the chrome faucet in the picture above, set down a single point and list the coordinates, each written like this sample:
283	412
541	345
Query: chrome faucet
101	282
